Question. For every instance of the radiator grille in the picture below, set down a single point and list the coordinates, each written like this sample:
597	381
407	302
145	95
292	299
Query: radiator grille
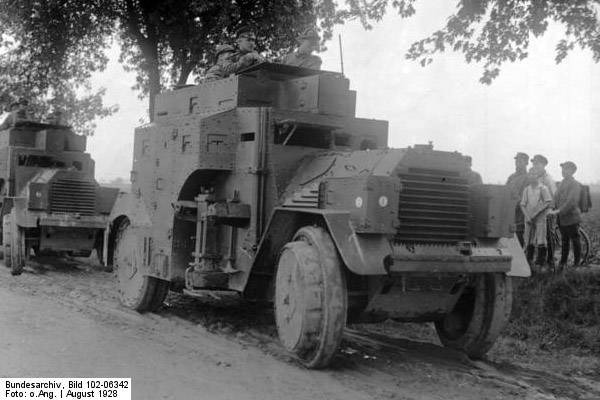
73	196
434	207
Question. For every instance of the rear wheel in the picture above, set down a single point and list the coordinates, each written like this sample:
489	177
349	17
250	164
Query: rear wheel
585	246
136	290
479	316
311	297
6	239
13	239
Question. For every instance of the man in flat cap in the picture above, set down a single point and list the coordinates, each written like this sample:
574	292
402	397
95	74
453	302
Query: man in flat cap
539	162
567	210
303	57
223	59
245	54
516	184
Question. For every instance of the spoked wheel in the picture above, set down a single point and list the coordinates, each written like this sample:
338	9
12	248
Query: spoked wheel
585	246
136	289
479	316
13	239
311	297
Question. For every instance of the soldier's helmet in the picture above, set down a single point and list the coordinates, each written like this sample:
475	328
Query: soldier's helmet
244	30
11	106
309	34
223	48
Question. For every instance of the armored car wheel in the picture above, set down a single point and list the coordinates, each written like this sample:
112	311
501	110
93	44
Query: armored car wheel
6	238
479	316
136	290
13	239
311	297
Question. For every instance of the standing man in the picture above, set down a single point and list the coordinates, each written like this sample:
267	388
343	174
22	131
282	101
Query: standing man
568	213
540	162
246	54
303	57
534	204
516	184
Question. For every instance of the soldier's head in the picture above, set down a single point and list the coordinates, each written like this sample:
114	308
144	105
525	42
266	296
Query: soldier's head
224	51
521	161
539	161
309	41
23	103
245	39
568	168
13	106
469	160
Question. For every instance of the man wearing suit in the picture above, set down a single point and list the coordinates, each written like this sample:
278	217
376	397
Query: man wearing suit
569	215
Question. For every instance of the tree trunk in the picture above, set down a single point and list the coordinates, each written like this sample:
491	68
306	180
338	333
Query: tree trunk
154	85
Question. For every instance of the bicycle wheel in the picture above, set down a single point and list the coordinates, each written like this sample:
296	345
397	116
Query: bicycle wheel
585	246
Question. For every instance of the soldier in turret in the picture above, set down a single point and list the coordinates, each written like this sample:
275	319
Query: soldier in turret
246	54
223	57
18	112
303	57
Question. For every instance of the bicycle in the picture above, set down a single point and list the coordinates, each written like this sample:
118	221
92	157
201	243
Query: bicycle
585	246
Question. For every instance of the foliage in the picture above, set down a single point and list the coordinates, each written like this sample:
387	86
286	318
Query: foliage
49	58
496	32
59	44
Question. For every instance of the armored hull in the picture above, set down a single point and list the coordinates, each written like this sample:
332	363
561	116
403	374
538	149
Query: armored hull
266	183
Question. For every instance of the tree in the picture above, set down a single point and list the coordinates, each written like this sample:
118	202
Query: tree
163	41
496	32
51	64
60	43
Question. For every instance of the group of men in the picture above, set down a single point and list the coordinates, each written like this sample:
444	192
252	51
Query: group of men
542	202
230	60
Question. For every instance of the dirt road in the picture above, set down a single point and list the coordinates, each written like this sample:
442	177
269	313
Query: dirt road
65	321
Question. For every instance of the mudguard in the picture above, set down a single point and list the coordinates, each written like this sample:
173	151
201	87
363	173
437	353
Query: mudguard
363	254
133	207
519	266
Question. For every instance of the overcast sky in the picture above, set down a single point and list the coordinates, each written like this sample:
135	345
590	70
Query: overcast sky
534	106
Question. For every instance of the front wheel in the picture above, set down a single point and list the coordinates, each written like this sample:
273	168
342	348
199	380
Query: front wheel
136	290
478	317
311	297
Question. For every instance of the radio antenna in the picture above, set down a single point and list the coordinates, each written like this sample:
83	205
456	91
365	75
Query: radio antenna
341	53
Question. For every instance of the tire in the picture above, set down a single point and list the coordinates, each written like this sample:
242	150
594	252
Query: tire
136	290
311	298
6	239
13	239
585	246
479	316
